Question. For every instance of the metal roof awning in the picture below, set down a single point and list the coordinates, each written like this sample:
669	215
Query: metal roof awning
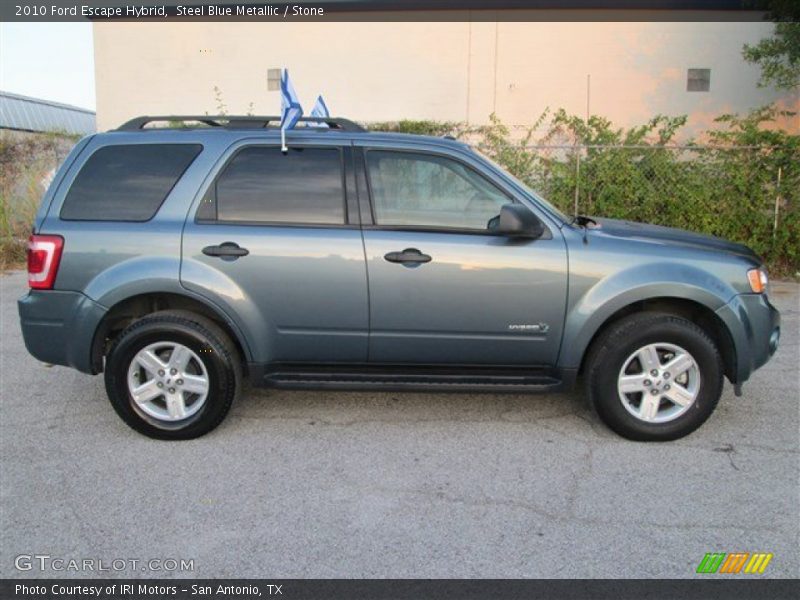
32	114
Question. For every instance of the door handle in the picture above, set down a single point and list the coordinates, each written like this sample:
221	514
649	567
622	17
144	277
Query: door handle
226	251
409	255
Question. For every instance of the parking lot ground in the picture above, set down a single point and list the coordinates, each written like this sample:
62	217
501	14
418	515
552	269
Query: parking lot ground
321	484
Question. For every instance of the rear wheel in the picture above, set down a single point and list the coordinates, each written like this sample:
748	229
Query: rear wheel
173	375
654	377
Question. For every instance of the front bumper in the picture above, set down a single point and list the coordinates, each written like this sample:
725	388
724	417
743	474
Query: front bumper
58	327
755	327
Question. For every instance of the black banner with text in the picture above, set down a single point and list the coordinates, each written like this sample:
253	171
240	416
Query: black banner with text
397	589
381	10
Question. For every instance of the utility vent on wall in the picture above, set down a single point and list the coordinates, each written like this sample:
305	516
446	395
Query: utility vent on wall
698	80
273	80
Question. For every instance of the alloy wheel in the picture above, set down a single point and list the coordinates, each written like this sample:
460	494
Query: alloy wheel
659	382
168	381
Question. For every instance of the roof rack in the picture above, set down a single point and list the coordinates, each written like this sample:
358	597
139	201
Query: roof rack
237	122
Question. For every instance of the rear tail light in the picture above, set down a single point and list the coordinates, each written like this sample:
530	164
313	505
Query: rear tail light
44	254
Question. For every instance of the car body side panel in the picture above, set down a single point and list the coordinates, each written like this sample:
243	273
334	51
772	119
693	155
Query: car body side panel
100	258
607	275
481	300
301	294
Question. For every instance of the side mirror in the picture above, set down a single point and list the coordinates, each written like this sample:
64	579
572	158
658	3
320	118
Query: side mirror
516	220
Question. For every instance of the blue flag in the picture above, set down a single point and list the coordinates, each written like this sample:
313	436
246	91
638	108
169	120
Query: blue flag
291	110
320	110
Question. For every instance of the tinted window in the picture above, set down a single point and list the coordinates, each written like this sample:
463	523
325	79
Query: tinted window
430	191
127	183
264	185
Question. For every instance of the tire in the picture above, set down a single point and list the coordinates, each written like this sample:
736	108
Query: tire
180	406
666	408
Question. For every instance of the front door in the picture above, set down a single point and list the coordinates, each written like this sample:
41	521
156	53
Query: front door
443	288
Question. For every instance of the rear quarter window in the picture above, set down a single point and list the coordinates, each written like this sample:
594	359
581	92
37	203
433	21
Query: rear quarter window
127	182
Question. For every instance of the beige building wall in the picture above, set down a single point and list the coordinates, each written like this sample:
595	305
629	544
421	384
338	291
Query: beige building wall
459	71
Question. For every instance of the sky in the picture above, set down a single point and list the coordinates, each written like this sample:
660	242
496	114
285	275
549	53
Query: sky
52	61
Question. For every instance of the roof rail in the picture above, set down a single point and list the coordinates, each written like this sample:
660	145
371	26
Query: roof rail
237	122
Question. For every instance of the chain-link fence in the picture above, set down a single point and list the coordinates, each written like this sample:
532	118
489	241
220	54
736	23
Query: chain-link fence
744	193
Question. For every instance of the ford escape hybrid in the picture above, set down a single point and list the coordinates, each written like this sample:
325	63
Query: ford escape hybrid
179	261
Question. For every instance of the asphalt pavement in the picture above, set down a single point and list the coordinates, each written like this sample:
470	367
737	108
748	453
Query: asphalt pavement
322	484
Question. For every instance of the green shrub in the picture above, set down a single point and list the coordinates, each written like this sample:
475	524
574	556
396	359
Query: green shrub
25	162
434	128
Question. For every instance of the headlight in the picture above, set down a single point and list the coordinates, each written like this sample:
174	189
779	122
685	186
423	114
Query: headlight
758	280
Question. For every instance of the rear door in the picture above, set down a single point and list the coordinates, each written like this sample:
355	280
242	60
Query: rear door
275	242
443	288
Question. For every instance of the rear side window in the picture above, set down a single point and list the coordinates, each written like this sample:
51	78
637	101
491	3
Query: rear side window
261	184
127	182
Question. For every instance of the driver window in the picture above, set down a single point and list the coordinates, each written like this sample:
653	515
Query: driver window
430	191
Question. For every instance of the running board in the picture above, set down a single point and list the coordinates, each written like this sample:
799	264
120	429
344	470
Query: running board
411	379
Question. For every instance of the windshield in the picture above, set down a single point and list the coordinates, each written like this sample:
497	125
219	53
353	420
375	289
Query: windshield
521	184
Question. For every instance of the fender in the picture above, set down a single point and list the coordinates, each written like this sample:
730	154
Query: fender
591	307
133	277
152	275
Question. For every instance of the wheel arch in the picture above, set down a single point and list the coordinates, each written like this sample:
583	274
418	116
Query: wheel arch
127	310
689	309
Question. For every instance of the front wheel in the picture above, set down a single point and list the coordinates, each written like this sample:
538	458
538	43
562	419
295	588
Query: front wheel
654	377
172	375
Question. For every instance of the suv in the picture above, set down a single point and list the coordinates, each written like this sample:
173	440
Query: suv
180	260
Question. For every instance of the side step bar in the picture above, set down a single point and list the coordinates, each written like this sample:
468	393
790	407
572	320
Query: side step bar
411	379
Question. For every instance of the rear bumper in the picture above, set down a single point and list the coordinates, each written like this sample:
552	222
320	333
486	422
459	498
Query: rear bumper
755	327
58	327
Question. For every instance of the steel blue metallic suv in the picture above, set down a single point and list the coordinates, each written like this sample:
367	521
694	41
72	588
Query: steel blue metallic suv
178	260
